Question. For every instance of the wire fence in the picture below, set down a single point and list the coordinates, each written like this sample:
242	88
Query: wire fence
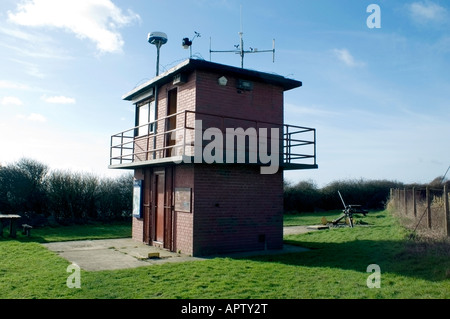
425	209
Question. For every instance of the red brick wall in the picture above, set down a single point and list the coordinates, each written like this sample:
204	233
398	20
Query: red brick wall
184	177
185	101
234	206
202	93
263	103
261	107
137	232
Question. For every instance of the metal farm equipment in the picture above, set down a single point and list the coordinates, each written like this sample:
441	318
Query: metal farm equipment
347	213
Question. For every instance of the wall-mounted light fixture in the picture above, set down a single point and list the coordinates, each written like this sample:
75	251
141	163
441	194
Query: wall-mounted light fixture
222	81
179	79
244	85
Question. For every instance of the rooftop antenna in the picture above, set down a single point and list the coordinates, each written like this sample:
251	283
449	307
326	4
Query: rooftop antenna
186	43
158	39
240	48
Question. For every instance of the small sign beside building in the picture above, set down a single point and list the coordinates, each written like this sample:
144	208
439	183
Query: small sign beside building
137	186
183	199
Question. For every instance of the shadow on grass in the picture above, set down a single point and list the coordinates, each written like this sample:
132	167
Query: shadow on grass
70	233
20	237
392	257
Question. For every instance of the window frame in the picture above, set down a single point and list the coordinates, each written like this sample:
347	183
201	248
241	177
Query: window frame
150	106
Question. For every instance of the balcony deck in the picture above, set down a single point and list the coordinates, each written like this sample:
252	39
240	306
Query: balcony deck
295	146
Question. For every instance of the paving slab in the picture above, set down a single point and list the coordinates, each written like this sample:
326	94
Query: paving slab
111	254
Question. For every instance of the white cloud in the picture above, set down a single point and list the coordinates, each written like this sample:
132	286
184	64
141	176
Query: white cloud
11	100
38	49
313	110
32	43
426	11
344	56
33	117
12	85
30	68
96	20
58	99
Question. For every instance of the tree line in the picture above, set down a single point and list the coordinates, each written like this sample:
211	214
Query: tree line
29	188
305	196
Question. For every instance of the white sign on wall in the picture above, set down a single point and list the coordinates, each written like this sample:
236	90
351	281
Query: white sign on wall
137	194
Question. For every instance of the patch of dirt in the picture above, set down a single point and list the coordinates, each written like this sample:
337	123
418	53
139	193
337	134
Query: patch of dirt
294	230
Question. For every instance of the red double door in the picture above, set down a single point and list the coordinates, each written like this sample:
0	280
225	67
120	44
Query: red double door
158	207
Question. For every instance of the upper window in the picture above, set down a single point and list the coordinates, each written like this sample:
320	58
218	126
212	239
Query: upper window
146	117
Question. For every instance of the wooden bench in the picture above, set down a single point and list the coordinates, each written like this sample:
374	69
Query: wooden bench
26	229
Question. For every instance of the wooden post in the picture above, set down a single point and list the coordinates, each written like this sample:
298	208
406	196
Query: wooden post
404	197
428	198
12	228
414	201
391	195
447	212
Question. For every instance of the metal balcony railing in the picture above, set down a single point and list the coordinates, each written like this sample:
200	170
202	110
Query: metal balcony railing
174	136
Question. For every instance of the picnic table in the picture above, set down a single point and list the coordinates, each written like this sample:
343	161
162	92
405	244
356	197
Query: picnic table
12	225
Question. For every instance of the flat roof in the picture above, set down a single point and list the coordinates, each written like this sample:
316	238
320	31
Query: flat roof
194	64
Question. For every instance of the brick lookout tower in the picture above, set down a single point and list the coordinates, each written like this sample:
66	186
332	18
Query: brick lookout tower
208	152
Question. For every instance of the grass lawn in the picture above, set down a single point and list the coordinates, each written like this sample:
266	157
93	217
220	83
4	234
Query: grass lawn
335	267
310	218
89	231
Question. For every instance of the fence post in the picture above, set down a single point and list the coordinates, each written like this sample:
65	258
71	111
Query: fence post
447	213
428	198
406	206
414	201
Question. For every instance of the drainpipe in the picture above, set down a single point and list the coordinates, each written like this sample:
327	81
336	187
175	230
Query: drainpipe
156	121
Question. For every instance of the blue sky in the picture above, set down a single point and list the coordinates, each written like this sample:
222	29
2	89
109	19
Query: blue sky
378	97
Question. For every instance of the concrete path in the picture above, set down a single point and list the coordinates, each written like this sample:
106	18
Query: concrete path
110	254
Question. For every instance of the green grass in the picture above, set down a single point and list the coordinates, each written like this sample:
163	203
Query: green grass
335	267
83	232
304	219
